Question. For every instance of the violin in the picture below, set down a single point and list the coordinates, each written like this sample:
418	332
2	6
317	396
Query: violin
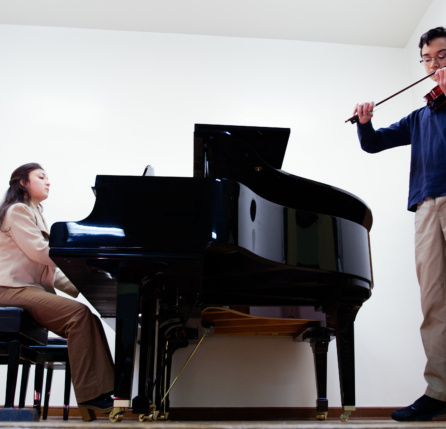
434	98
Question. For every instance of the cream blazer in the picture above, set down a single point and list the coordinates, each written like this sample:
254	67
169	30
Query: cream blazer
24	252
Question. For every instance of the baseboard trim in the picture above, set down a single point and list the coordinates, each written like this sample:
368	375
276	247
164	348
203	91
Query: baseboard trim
275	413
250	413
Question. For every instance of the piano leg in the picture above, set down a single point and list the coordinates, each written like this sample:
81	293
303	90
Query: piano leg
344	314
319	338
143	404
319	345
127	310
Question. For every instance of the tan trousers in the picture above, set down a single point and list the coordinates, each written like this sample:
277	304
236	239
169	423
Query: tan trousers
90	358
430	253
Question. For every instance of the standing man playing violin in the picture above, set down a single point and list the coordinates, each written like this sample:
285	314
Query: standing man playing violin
425	130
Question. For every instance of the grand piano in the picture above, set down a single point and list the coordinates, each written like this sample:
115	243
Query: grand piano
156	251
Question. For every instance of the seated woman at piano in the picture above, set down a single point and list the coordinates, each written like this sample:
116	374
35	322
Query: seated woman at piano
28	278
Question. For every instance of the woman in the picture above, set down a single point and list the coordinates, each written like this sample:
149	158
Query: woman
28	277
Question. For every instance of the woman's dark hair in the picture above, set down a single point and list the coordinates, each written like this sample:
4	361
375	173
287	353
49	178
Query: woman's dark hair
17	192
427	37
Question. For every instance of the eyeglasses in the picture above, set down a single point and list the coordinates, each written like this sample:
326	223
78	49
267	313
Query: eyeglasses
437	58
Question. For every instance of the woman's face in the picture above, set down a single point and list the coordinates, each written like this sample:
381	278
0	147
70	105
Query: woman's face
38	186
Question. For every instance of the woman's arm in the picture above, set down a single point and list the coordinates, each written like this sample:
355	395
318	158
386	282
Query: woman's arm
21	224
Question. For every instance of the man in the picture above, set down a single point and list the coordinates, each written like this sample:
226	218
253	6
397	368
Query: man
425	130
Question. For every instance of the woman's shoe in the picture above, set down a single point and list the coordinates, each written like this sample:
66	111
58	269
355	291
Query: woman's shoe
102	404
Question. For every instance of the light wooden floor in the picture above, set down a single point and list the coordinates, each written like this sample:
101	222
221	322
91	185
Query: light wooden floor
335	424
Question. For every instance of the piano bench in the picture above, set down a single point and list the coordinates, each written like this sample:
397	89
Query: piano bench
18	332
227	322
56	357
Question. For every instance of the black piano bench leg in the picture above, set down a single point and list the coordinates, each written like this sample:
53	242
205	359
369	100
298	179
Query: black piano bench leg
46	402
38	382
67	391
24	383
13	369
319	338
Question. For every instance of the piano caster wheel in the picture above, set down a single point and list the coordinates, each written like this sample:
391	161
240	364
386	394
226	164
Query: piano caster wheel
347	411
321	415
344	417
117	414
153	417
164	417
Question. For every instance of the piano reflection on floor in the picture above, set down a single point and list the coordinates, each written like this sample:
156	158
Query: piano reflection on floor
157	251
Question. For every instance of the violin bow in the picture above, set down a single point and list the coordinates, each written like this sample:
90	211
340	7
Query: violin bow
355	118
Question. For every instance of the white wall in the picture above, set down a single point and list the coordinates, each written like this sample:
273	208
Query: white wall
86	102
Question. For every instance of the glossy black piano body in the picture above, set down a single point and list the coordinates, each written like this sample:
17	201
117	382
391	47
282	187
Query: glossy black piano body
241	232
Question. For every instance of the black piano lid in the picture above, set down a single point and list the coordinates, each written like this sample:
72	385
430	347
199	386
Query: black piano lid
253	156
270	143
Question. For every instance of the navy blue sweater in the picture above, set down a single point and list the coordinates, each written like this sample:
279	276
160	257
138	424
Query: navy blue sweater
425	131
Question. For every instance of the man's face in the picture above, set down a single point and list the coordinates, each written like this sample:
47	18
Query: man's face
434	55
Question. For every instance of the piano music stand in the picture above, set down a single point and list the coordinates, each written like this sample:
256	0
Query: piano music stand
270	143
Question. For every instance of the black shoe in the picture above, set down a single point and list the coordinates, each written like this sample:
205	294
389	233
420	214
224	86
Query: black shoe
423	409
102	404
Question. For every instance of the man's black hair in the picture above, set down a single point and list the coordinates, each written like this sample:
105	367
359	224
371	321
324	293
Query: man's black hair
427	37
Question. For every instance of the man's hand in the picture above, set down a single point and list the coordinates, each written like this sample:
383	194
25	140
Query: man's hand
365	111
440	78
